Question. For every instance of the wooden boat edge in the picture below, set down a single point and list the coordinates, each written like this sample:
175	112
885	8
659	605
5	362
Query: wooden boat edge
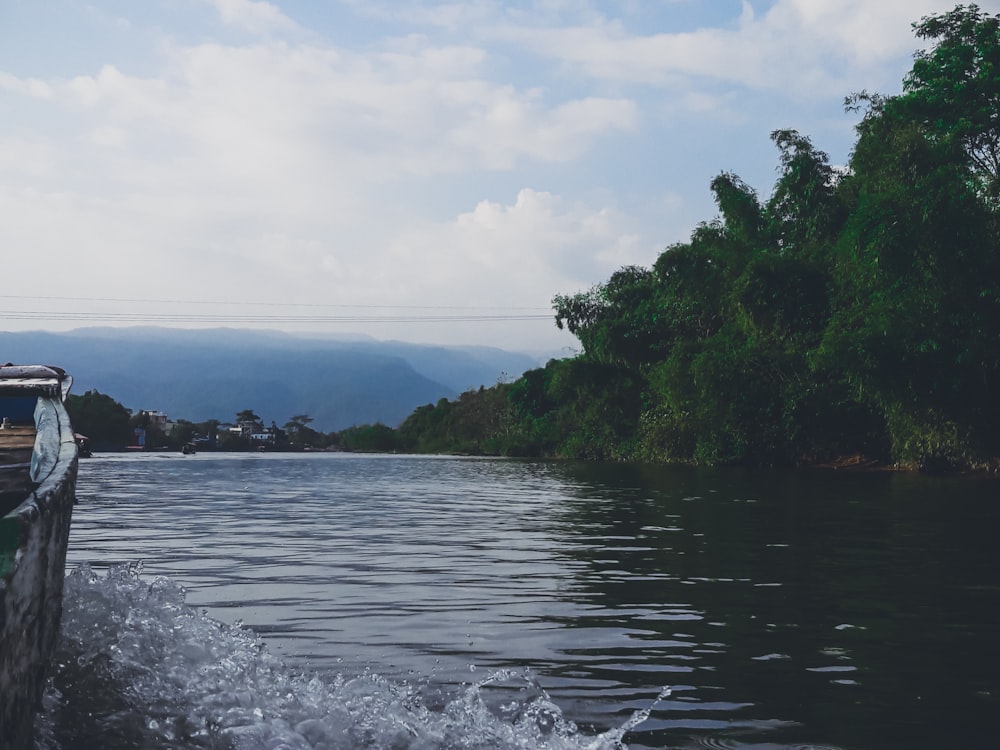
33	540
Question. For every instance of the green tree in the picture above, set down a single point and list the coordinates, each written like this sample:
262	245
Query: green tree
181	433
852	311
917	268
618	322
803	215
298	422
209	429
247	415
953	90
300	434
426	429
100	418
370	438
478	422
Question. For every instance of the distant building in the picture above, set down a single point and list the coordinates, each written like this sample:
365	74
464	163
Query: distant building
255	432
247	428
157	419
272	435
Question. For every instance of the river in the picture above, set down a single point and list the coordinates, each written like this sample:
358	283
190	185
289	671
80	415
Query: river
349	601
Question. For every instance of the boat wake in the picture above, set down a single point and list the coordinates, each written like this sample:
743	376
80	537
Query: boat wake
136	667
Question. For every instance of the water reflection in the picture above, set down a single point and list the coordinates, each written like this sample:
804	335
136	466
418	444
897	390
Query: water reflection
857	608
784	609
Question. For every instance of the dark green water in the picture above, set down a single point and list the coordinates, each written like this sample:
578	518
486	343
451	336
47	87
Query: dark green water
784	609
865	608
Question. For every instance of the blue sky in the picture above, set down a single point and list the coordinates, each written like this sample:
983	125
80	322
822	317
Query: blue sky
423	171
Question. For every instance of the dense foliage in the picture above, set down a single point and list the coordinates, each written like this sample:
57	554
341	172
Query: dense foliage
854	311
102	419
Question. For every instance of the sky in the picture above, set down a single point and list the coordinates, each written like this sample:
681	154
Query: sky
431	172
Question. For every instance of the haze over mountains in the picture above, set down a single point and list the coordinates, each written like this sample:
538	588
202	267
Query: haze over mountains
213	374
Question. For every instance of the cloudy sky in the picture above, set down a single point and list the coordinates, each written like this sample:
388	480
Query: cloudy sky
422	171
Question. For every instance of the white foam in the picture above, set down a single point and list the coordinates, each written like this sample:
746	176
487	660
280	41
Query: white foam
137	667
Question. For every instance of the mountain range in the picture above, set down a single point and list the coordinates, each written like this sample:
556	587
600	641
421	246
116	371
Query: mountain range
214	374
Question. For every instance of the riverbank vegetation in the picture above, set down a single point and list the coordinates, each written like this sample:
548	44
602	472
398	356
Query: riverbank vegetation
855	311
107	425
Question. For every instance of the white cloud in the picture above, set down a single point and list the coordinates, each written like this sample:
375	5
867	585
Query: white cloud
518	254
494	258
258	172
296	169
459	16
31	87
857	30
255	16
26	158
511	125
806	47
288	121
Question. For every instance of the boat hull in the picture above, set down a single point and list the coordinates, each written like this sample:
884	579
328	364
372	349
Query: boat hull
33	541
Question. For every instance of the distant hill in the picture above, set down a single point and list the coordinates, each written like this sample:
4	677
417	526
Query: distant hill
213	374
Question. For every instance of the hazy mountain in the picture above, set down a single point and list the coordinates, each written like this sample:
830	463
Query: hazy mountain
213	374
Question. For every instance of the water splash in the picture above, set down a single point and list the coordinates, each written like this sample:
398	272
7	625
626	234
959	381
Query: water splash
616	736
138	668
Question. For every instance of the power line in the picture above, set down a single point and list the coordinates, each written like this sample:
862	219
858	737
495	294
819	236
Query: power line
260	303
133	317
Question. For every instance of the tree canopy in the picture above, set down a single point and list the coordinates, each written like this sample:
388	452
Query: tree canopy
853	311
100	418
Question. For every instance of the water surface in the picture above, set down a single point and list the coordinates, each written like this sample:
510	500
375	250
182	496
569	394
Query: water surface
351	596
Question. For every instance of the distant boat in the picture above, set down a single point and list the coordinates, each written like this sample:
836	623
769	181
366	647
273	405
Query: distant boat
188	449
38	465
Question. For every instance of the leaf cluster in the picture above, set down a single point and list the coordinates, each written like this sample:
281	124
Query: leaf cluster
854	311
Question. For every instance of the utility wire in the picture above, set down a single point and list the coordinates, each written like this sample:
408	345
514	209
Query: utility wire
262	303
232	318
